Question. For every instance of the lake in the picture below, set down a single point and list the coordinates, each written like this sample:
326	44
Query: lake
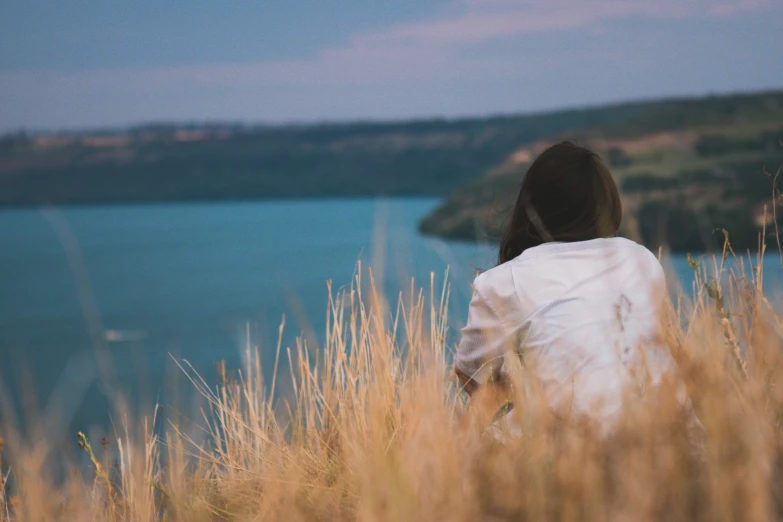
146	281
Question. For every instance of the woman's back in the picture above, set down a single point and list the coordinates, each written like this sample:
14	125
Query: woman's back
583	316
579	304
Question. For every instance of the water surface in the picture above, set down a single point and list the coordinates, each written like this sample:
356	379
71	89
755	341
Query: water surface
191	280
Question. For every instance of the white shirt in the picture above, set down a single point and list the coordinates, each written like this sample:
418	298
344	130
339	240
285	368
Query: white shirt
583	316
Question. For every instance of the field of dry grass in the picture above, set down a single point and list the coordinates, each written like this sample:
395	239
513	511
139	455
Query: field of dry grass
375	429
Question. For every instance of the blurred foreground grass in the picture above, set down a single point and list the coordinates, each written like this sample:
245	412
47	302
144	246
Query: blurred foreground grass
375	430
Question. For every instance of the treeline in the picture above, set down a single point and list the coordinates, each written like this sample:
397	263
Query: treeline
685	196
227	161
721	144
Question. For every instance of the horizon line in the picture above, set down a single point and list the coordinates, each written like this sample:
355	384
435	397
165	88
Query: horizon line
130	126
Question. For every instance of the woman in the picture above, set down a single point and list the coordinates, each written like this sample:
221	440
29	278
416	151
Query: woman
577	303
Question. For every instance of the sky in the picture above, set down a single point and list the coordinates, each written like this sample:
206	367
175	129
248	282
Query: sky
106	63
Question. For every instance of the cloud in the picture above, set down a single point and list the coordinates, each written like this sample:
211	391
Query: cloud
424	53
482	20
739	6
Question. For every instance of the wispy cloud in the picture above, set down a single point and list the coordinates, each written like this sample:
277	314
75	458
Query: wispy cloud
417	53
738	6
481	20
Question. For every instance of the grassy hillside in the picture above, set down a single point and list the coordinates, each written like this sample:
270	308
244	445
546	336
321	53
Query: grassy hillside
206	162
685	176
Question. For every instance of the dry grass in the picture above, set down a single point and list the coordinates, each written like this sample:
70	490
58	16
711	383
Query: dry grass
376	431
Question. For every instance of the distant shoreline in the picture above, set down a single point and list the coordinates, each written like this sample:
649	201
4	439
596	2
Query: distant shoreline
694	163
122	128
220	162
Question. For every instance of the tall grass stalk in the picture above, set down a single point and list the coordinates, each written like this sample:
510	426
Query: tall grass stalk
375	429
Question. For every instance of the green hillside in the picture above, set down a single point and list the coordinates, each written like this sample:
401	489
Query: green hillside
220	162
686	175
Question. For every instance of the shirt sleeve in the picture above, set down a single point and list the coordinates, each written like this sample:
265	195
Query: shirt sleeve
484	340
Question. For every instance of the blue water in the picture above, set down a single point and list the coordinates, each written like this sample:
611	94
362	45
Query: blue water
188	280
146	281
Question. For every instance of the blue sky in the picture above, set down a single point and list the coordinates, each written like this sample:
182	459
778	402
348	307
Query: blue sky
95	63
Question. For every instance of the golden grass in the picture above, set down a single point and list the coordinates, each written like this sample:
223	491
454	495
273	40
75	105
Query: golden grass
375	430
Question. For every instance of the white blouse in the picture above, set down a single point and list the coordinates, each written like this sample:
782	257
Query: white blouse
582	316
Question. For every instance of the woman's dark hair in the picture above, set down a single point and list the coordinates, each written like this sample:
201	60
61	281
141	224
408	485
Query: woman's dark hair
568	194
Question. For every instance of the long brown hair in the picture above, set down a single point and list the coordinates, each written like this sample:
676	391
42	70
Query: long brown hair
568	194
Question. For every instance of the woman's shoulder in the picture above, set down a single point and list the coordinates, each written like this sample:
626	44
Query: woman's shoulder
624	242
642	262
496	283
640	256
500	280
545	254
640	251
497	273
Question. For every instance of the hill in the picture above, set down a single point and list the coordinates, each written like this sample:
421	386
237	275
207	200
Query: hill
220	162
687	172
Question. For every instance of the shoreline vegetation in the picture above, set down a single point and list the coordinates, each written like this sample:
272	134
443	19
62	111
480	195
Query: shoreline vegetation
687	166
684	185
375	429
